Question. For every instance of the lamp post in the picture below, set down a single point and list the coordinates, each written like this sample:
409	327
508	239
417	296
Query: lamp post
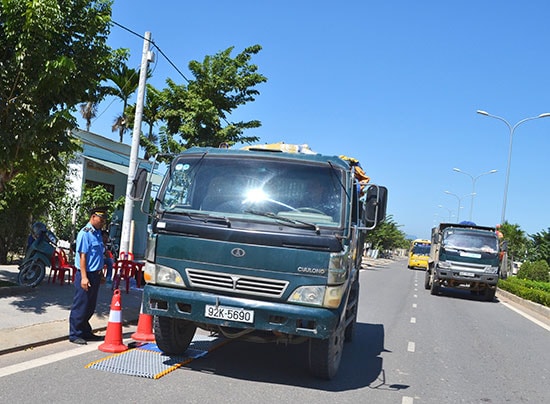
449	210
474	179
459	207
512	129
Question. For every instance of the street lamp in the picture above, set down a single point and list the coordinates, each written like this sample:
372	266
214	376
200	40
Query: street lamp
459	207
512	129
474	179
449	210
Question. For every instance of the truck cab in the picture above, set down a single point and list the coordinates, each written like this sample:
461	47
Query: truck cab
464	256
259	245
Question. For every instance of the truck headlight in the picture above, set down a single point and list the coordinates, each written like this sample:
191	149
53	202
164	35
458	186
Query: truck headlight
162	275
444	264
322	296
491	270
312	295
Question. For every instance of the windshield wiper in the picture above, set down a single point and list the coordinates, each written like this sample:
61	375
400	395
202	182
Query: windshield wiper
296	223
206	218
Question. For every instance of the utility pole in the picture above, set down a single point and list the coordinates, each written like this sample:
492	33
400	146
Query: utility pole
132	169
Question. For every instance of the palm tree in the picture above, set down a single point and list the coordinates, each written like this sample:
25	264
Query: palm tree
151	115
88	110
126	81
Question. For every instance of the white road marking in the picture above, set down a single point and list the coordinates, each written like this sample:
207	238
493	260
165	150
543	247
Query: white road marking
413	320
411	346
407	400
414	305
45	360
527	316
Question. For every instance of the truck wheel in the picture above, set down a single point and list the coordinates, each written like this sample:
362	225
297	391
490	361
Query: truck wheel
427	284
435	287
490	294
173	335
325	354
354	302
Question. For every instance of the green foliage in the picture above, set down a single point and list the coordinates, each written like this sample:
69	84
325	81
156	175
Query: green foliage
54	53
197	111
27	198
516	240
540	246
387	236
535	271
538	292
93	197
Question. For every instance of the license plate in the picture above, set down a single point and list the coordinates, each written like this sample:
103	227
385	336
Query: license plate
467	274
229	313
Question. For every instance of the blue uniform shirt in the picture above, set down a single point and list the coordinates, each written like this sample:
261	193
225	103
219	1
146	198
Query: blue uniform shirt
90	242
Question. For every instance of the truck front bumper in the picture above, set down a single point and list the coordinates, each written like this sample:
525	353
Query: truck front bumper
455	278
277	317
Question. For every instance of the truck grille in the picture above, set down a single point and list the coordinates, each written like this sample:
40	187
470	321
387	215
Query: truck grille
249	285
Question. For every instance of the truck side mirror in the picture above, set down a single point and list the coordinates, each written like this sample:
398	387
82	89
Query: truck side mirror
374	206
139	185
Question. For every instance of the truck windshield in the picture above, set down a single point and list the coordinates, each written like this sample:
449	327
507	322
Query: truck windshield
246	187
468	240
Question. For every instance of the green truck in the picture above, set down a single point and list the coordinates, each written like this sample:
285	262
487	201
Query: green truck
464	256
260	245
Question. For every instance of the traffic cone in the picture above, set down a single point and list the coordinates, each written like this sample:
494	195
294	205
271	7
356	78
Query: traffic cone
113	337
144	332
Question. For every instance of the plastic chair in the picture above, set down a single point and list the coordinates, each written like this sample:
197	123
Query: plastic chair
122	270
60	267
126	256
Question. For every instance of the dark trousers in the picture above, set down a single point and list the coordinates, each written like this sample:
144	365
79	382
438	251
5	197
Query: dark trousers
84	304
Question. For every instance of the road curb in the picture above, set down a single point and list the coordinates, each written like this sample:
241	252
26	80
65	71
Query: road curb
535	307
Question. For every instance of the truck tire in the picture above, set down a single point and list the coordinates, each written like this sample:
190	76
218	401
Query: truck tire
325	354
435	287
173	335
490	294
427	284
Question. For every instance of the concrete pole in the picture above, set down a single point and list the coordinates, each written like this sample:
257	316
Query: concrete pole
132	169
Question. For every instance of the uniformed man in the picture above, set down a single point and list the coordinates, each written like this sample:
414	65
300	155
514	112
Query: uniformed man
89	261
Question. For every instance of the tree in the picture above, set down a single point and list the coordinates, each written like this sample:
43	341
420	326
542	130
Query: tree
197	111
88	110
151	115
387	236
540	246
517	241
53	52
126	82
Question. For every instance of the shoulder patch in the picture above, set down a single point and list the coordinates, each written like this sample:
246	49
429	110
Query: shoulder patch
87	229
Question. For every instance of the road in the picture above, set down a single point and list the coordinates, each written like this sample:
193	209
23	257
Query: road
410	347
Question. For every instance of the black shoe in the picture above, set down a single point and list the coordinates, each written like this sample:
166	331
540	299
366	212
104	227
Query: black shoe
93	337
79	341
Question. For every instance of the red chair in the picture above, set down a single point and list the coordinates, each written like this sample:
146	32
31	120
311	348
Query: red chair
60	267
122	270
126	256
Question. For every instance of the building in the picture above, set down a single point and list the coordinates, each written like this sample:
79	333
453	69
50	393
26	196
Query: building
105	162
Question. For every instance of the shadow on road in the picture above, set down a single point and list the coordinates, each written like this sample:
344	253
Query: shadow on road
361	363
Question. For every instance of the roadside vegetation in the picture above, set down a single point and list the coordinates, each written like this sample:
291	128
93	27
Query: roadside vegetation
532	282
46	80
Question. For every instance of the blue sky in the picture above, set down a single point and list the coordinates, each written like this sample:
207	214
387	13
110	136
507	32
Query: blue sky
395	84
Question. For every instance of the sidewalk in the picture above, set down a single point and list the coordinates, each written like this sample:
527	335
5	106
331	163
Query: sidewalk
36	316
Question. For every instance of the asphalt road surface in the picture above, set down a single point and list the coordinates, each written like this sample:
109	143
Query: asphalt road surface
410	347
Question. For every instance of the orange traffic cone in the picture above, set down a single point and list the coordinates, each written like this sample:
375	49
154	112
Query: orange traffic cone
113	337
144	332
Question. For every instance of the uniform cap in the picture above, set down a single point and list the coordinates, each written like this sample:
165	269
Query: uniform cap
100	211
